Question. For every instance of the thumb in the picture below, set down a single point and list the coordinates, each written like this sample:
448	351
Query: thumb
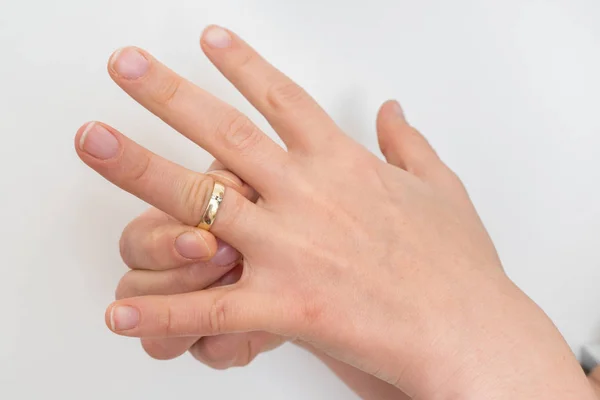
205	313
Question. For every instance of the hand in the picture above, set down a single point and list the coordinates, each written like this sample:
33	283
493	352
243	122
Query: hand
386	268
149	244
165	262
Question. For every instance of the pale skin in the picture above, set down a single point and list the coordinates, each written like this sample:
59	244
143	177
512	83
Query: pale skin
152	235
594	378
383	270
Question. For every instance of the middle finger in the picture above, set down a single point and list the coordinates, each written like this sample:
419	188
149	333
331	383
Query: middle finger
214	125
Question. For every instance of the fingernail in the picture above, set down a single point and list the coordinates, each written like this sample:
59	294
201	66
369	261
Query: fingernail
398	109
217	37
231	277
191	245
227	176
123	318
129	63
225	254
98	142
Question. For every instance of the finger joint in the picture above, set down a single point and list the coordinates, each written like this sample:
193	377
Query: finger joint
282	96
237	132
167	90
217	316
196	194
139	170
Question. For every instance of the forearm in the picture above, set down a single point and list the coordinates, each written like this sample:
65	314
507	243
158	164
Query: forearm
367	386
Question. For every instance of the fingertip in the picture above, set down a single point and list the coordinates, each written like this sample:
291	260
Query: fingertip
108	317
390	119
205	31
120	318
82	133
191	245
218	352
167	349
97	141
215	37
210	242
225	255
391	109
111	60
404	146
128	64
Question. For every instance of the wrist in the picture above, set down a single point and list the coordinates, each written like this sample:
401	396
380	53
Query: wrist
487	341
516	353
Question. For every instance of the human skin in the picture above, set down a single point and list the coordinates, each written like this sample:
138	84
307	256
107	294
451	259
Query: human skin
149	246
594	378
386	269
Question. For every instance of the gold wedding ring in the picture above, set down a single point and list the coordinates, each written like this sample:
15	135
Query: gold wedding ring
213	206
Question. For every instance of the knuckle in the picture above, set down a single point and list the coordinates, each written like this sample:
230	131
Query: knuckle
310	313
139	170
237	132
166	90
281	96
175	321
217	316
196	193
166	322
247	59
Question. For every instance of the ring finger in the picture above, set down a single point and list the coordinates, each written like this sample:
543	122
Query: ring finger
156	241
169	187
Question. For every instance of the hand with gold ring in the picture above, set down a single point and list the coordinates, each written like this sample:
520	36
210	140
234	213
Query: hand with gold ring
164	260
167	257
386	267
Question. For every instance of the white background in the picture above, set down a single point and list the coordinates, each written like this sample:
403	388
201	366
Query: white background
507	91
